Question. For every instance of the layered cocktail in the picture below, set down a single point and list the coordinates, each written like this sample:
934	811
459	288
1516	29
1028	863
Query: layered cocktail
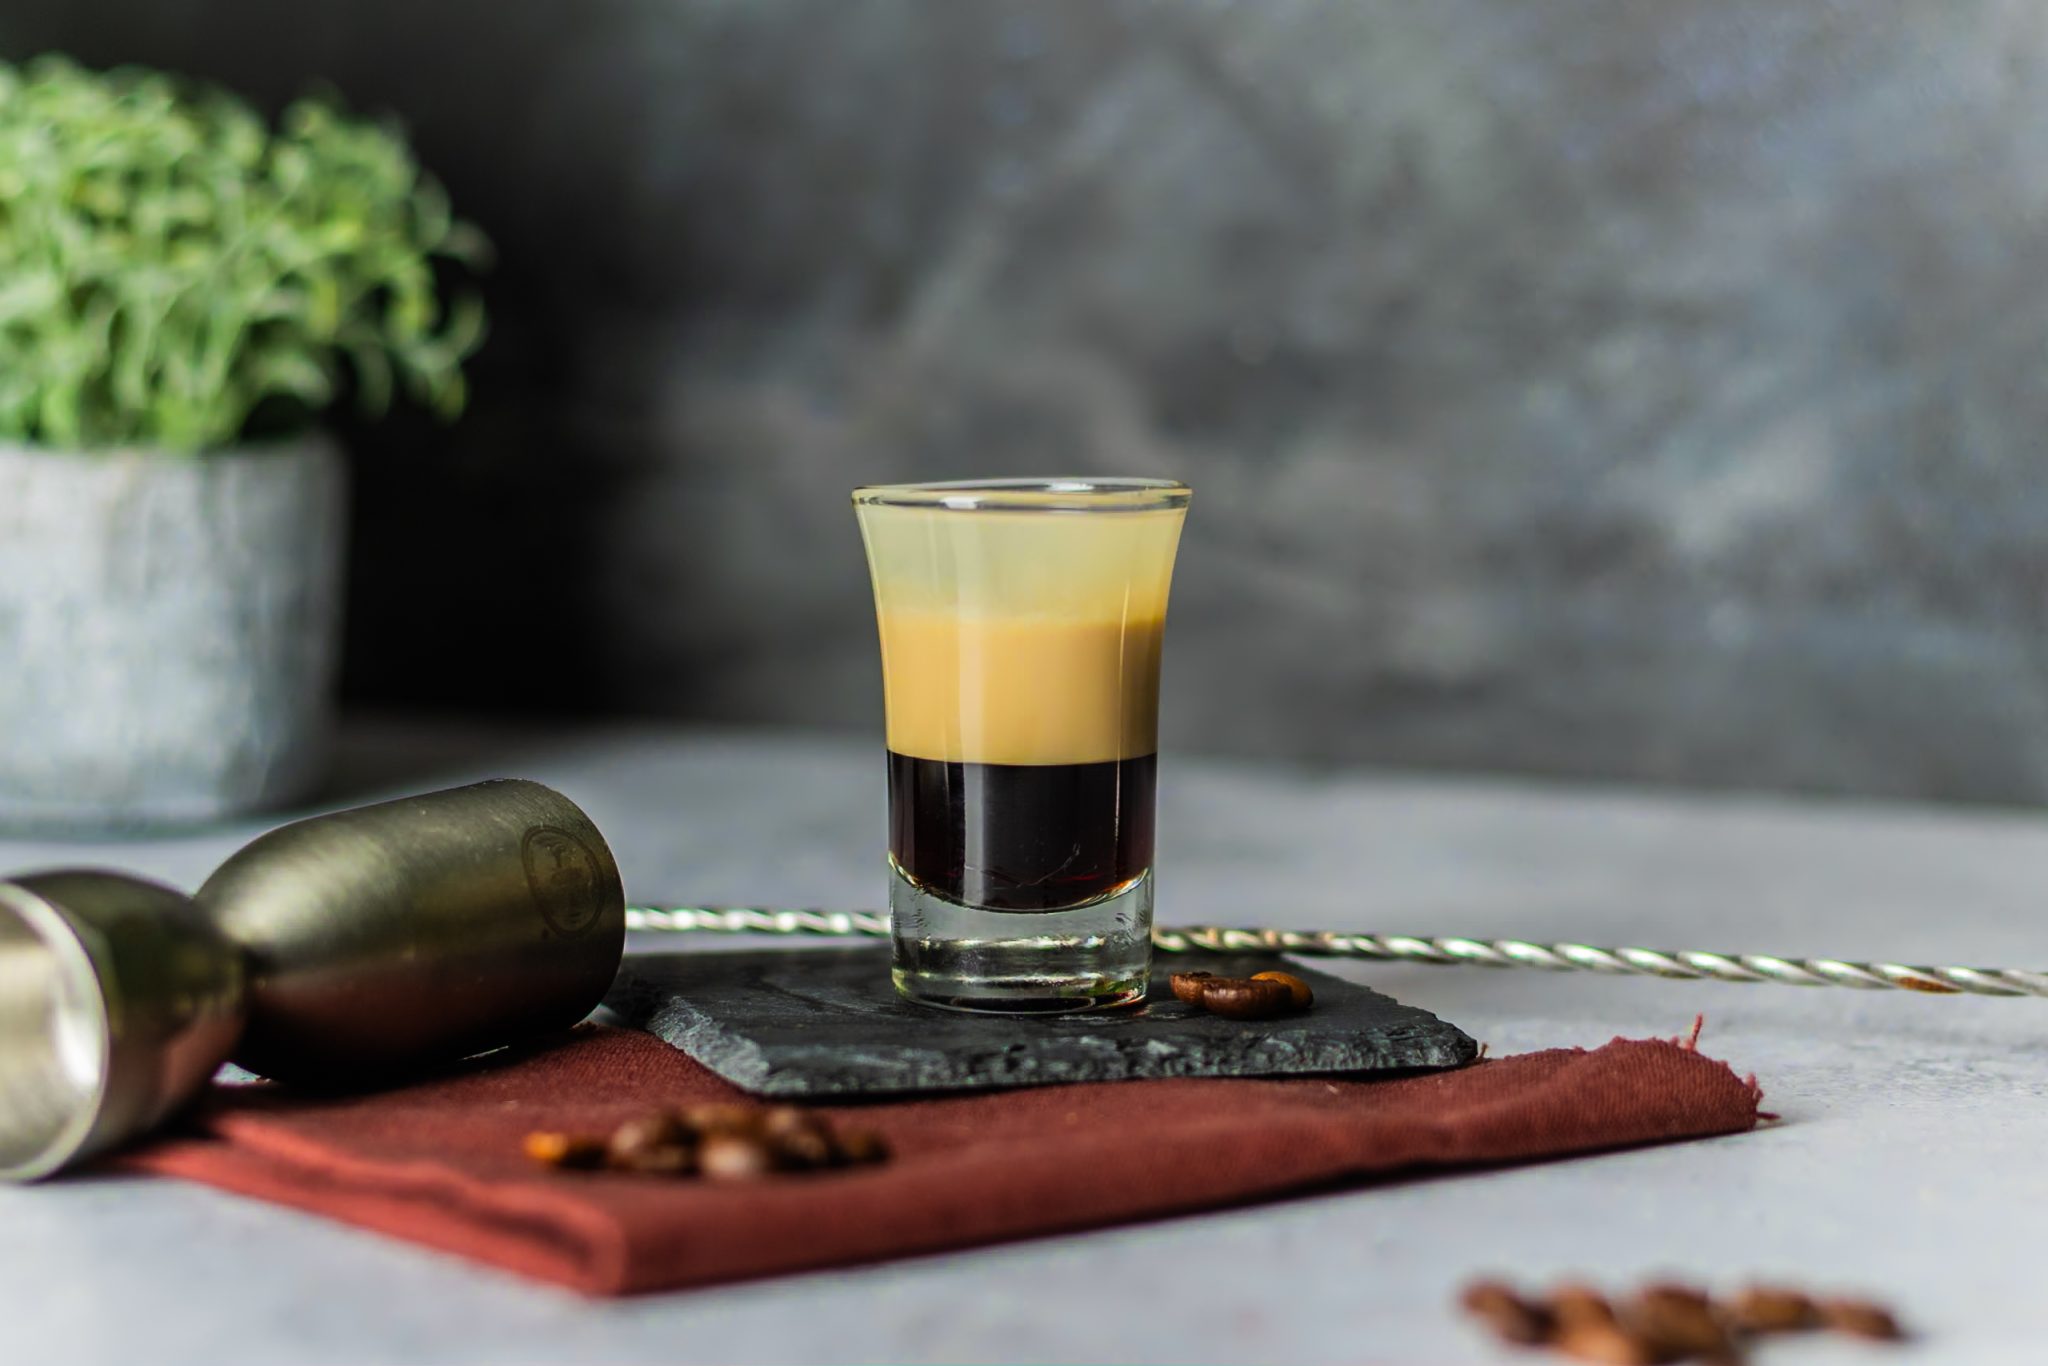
1021	623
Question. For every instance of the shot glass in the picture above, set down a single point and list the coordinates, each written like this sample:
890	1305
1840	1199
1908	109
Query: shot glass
1021	623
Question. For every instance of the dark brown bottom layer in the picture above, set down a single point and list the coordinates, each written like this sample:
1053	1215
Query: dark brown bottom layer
1021	837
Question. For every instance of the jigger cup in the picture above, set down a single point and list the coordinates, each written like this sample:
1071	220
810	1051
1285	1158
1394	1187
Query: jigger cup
335	951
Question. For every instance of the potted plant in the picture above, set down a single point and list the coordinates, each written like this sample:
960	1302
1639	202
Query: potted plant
184	289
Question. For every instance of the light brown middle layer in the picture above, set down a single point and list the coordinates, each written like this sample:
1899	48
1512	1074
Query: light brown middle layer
1021	689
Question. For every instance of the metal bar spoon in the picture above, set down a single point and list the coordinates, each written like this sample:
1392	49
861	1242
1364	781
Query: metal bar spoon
1438	951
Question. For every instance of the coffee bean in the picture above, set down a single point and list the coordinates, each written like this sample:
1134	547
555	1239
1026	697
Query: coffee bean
807	1147
800	1138
1608	1343
787	1119
718	1141
862	1146
728	1156
651	1133
570	1151
1678	1322
1772	1309
1241	998
1512	1318
1667	1322
1675	1292
1572	1305
1189	986
1300	997
724	1118
1860	1318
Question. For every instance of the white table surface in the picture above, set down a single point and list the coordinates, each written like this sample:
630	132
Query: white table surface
1907	1162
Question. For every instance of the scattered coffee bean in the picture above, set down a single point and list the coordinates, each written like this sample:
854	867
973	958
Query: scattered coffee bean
1675	1292
727	1156
863	1146
1861	1318
1610	1343
721	1142
1241	998
571	1151
724	1118
1772	1309
1299	995
786	1119
1679	1322
1666	1322
636	1138
1572	1305
1261	996
1512	1318
800	1139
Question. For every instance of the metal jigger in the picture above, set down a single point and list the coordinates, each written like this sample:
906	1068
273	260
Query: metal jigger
331	952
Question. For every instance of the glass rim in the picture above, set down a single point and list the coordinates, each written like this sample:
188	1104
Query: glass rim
1075	493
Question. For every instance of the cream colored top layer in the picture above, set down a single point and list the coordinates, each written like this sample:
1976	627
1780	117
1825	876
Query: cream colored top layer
1021	637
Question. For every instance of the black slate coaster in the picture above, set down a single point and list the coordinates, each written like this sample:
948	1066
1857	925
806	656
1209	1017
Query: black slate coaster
825	1022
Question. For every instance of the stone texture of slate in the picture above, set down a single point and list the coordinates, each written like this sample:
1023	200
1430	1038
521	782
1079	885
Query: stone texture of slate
824	1022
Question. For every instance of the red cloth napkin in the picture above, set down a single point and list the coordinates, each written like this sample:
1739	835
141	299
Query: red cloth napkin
439	1162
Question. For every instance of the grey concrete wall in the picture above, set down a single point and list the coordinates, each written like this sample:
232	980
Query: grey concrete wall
1575	386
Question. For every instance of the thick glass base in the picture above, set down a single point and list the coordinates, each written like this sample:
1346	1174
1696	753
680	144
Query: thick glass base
1090	957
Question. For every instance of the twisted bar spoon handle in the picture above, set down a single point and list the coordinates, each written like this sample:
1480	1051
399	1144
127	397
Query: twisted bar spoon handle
1443	951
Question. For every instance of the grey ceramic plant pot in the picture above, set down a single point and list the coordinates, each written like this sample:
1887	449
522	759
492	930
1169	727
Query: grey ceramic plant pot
168	632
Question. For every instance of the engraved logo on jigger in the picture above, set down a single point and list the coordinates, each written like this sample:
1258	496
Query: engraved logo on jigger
564	876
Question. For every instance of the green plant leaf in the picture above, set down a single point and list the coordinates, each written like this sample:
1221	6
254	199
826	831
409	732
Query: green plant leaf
169	262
